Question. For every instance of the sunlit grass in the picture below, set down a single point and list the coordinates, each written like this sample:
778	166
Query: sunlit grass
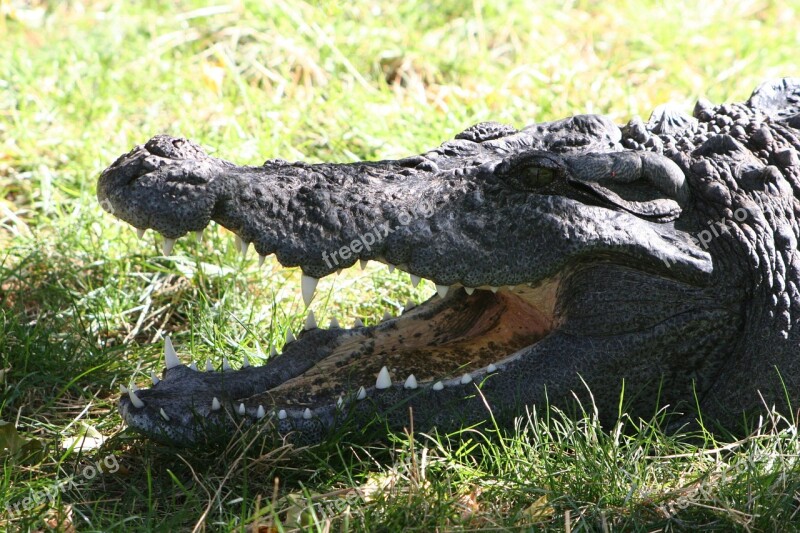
85	304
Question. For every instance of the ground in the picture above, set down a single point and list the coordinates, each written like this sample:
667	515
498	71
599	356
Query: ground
85	304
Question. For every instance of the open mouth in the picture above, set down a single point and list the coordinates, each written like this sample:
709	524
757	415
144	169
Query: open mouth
458	337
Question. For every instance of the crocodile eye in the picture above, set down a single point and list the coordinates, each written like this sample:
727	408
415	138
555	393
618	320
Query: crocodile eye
534	177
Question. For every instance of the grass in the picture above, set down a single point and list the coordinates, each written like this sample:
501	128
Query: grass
84	304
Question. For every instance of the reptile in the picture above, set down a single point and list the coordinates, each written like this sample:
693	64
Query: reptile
637	267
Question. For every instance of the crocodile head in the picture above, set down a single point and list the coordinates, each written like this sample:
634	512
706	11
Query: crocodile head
568	257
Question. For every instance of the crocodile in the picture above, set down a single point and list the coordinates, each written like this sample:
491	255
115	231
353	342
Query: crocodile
627	268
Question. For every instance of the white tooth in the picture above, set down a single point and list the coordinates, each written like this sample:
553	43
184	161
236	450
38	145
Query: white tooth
339	402
442	290
241	409
491	368
244	248
193	366
311	322
282	414
384	380
215	406
334	323
357	323
134	387
469	290
245	361
307	414
289	336
362	393
137	403
391	268
238	242
140	232
466	378
168	245
123	389
169	354
493	289
199	235
154	378
409	306
261	259
209	366
163	414
259	351
386	316
260	413
415	280
363	263
438	385
226	365
308	286
272	350
411	382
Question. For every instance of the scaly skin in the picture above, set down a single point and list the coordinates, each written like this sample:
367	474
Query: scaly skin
663	255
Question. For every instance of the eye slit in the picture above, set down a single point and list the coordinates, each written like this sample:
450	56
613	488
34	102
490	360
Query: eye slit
534	177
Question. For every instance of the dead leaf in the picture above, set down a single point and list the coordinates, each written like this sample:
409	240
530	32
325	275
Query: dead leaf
540	510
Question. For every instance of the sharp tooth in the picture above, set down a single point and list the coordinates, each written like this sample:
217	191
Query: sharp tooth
384	380
289	336
170	355
140	232
362	393
260	412
438	385
308	286
442	290
282	414
226	365
123	389
466	378
163	414
168	245
415	280
154	378
469	290
244	248
193	366
259	352
261	259
215	404
307	414
311	322
386	316
409	306
238	242
491	368
339	402
199	235
338	271
357	323
209	366
493	289
363	263
272	350
241	409
245	361
137	403
134	387
334	323
391	268
411	382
